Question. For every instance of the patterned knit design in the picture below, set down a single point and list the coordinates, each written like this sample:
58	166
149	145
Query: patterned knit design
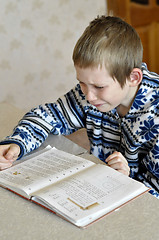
136	135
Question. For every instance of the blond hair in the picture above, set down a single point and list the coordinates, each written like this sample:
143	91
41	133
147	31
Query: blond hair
112	42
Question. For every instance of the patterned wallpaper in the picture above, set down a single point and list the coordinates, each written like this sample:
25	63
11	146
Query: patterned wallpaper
36	42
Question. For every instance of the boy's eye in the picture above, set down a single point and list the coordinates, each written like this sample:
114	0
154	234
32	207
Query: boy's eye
98	87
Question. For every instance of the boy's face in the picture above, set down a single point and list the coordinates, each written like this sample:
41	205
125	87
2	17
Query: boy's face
101	90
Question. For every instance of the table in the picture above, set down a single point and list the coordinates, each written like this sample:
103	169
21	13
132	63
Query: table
23	220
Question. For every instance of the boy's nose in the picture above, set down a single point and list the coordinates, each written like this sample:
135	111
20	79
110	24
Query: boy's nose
91	96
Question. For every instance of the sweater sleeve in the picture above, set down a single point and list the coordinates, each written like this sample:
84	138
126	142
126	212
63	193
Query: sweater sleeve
65	116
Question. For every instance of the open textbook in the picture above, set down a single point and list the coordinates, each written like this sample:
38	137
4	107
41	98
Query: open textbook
76	189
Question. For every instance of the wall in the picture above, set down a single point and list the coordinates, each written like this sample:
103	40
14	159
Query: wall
36	42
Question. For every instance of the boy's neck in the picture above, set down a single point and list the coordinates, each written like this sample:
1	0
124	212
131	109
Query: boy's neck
123	109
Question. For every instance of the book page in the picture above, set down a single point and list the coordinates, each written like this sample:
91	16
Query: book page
43	170
90	194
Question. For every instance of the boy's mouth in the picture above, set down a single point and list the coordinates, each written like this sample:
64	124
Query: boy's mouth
98	105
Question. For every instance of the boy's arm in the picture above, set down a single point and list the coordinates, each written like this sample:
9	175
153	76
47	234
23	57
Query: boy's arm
63	117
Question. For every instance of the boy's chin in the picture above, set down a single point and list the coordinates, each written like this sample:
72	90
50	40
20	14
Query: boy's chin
104	108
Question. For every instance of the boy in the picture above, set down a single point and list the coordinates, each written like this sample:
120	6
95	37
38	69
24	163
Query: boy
116	100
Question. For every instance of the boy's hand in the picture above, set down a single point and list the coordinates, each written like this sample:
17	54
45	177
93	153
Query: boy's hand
118	162
8	154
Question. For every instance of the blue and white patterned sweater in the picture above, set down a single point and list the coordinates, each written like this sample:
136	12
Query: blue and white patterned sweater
136	135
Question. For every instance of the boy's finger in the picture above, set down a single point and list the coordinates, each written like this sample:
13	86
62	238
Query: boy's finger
4	160
118	161
113	160
5	165
117	165
125	172
12	153
113	155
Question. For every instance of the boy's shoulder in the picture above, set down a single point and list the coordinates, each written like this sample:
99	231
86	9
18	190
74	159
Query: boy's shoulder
150	79
147	97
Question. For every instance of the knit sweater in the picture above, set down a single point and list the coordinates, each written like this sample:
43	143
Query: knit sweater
136	135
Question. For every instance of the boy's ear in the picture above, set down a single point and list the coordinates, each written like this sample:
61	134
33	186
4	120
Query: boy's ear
135	77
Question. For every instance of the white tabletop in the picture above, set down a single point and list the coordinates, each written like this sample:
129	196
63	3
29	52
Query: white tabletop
22	220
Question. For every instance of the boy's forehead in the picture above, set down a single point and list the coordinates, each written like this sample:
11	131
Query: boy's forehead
95	74
97	70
